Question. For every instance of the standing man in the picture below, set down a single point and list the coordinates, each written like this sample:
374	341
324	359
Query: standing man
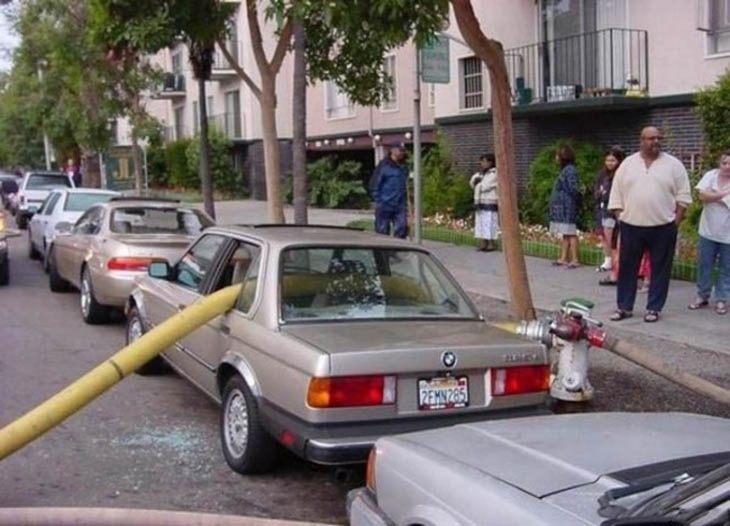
73	172
388	190
650	195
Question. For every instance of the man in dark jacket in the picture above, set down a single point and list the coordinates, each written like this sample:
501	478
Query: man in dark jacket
388	190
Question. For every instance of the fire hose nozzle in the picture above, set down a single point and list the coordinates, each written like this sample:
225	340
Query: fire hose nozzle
536	330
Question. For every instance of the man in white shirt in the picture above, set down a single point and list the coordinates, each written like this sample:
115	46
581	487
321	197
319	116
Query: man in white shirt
650	195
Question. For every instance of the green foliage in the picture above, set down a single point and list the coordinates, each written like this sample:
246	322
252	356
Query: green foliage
689	227
179	173
543	173
713	108
222	172
445	191
156	160
332	183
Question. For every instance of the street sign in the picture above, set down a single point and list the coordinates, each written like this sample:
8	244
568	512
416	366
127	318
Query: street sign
435	61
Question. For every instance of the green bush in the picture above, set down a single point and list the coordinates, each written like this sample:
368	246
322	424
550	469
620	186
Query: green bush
445	191
157	163
543	173
332	184
225	177
713	109
179	173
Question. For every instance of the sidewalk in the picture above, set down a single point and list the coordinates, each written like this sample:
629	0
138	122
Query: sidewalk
485	274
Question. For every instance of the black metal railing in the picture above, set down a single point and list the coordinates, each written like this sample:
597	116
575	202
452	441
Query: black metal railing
228	123
173	82
595	64
220	62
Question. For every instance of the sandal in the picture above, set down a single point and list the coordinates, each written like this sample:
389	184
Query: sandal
651	316
558	263
572	265
698	304
721	307
619	315
608	282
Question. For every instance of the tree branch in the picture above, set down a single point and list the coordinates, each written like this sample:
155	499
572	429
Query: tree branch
257	45
282	47
239	70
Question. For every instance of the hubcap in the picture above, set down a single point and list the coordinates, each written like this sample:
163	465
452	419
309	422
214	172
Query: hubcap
134	331
85	296
235	423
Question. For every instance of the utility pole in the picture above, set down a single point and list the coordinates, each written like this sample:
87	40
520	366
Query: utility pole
46	142
417	198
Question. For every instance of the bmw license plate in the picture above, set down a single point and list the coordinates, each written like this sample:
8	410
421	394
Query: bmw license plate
443	392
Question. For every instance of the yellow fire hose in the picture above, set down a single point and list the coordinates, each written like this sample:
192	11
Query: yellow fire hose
87	388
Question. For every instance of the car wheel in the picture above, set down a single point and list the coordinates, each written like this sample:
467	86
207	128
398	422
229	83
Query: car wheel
45	257
247	447
32	252
21	221
55	281
4	271
135	330
92	312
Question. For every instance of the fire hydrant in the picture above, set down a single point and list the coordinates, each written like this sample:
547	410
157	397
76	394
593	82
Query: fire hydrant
566	335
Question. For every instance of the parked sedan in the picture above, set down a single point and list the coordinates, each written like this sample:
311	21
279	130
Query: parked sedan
113	243
663	468
4	252
338	337
61	209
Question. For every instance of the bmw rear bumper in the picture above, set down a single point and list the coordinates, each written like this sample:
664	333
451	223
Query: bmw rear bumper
350	443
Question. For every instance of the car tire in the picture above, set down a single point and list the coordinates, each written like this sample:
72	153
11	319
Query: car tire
92	311
32	252
134	330
45	262
22	221
55	281
4	271
247	447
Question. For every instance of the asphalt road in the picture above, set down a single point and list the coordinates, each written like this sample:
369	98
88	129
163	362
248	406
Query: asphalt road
153	442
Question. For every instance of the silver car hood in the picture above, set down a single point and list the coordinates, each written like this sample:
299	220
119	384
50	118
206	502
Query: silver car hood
386	346
547	455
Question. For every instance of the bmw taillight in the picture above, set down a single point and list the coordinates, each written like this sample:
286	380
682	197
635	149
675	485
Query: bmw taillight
351	391
520	380
129	264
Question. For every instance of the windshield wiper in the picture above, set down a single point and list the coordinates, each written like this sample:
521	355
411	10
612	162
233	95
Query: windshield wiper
670	499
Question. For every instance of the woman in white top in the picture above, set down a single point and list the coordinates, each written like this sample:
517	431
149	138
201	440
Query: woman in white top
486	218
714	243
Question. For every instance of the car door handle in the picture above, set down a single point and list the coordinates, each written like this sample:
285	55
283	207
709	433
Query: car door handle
225	329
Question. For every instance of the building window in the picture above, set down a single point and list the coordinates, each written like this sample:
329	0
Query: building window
179	117
719	30
233	114
337	104
431	95
177	64
390	100
209	105
114	132
470	75
196	117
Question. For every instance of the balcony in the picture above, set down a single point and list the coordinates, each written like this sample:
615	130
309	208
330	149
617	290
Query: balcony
228	123
222	70
603	65
172	87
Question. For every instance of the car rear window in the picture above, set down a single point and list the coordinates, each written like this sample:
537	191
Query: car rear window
341	283
149	220
82	202
42	181
9	186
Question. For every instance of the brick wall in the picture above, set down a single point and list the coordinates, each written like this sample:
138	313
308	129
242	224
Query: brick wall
680	125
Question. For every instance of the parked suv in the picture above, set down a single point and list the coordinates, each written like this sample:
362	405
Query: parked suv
33	191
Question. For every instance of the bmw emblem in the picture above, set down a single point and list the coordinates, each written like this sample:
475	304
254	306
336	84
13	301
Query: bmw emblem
448	359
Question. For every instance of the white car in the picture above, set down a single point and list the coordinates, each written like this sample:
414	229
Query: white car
33	191
567	470
61	209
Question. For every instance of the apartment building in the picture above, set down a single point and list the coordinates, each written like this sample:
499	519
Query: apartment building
596	70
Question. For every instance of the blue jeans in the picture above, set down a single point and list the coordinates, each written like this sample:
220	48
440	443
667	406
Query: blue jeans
384	217
709	252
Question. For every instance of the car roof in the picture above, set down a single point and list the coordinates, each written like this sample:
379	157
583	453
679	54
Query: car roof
145	203
54	174
85	191
326	235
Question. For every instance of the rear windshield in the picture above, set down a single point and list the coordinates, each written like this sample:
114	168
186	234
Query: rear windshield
347	283
9	186
42	181
148	220
81	202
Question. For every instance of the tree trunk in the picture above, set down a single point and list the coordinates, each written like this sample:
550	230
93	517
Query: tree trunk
90	170
137	162
206	178
274	207
491	53
299	131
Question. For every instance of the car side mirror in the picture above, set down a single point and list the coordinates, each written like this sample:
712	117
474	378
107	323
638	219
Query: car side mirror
160	270
63	228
